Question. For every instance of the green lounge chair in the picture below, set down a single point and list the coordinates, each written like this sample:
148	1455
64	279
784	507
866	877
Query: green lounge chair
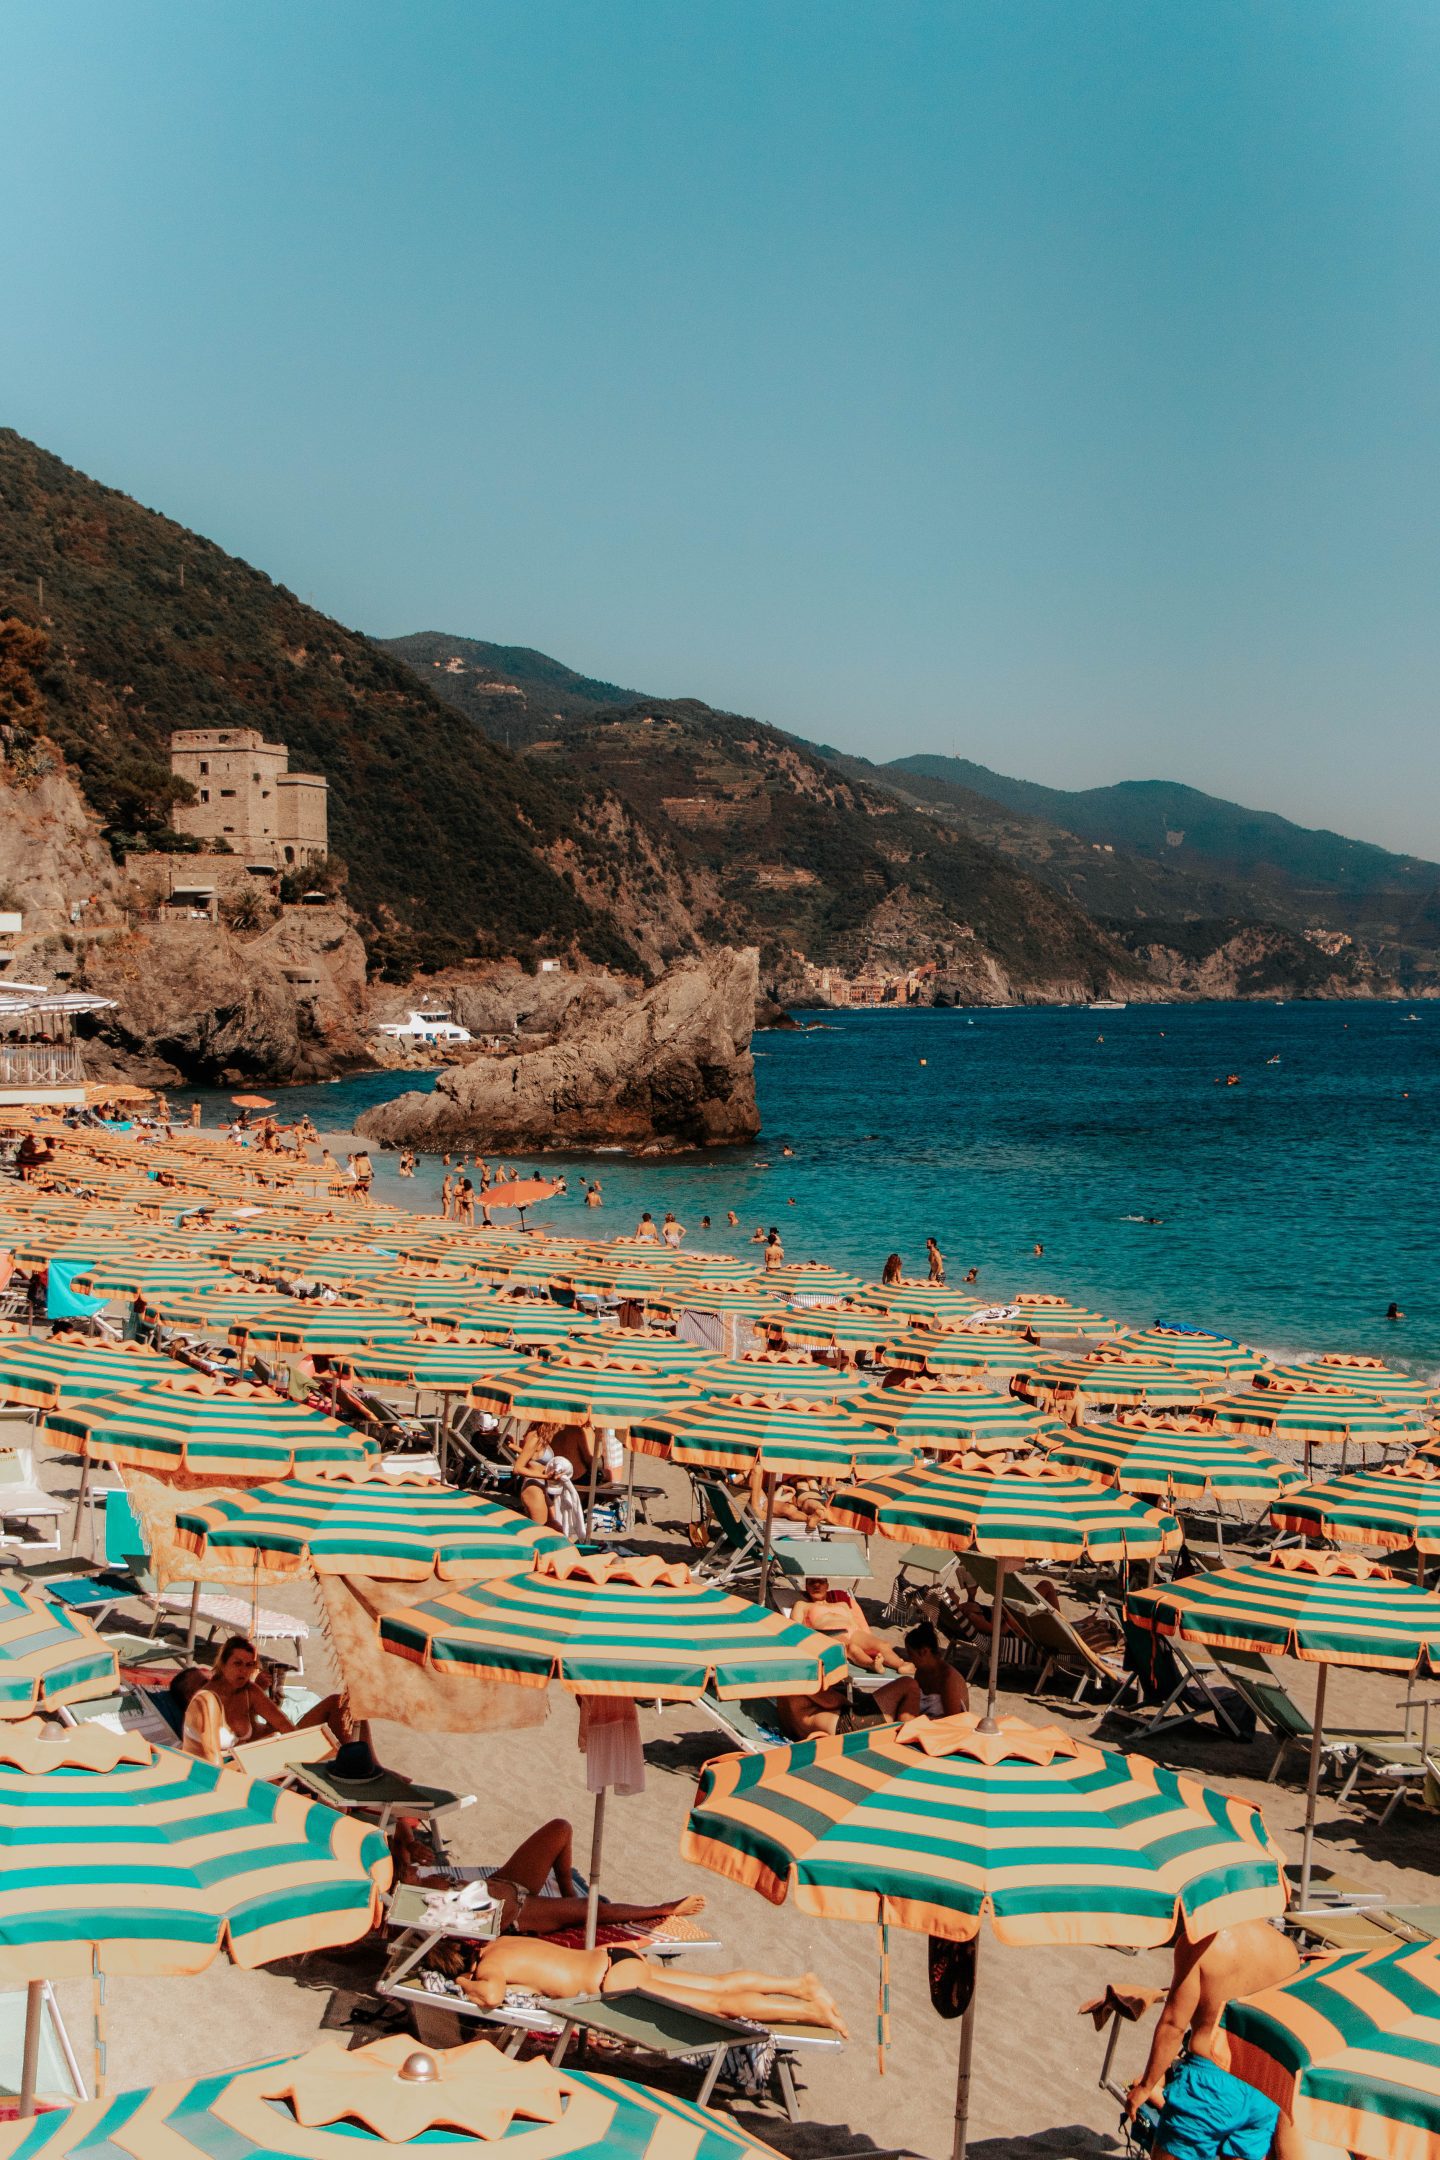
737	1543
1378	1753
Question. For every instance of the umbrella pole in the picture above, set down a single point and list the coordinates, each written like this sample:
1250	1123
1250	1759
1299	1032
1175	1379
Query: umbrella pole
962	2080
30	2057
766	1550
592	1895
997	1620
194	1620
1312	1786
594	1486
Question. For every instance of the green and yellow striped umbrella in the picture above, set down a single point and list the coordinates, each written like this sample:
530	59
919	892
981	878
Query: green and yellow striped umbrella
803	1439
448	1367
634	1347
930	1417
1356	1375
326	1328
939	1824
367	1522
143	1860
788	1378
48	1657
1034	1510
576	1393
1326	1608
924	1301
1396	1506
819	1327
1189	1350
1067	1384
364	2104
203	1427
1046	1315
76	1368
808	1278
1350	2050
602	1625
918	1349
1176	1458
1309	1418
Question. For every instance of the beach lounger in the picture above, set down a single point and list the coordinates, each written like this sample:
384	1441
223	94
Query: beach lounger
127	1559
753	1726
737	1544
1376	1752
1067	1654
24	1501
1194	1695
388	1794
921	1572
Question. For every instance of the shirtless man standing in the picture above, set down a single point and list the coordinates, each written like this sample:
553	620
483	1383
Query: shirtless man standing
1206	2111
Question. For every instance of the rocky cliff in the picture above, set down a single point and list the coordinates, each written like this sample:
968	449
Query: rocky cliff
668	1069
1230	959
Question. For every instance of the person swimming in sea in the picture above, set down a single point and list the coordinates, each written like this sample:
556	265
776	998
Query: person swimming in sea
1393	1312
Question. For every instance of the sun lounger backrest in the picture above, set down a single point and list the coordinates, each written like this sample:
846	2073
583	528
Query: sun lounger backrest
125	1545
1253	1680
728	1519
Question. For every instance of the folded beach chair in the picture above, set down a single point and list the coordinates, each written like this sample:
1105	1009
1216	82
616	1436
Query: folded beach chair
1366	1752
25	1502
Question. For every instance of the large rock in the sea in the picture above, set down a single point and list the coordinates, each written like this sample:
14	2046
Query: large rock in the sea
672	1069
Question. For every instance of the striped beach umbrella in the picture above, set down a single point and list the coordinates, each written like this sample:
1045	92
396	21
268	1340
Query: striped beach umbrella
1356	1375
921	1349
1309	1418
636	1628
1396	1506
801	1439
1189	1350
789	1378
76	1368
325	1328
206	1428
440	1365
935	1302
1048	1315
583	1392
931	1417
364	1521
120	1857
634	1347
380	2101
823	1327
1350	2050
1076	1384
1176	1458
808	1278
939	1824
1034	1509
48	1657
1326	1608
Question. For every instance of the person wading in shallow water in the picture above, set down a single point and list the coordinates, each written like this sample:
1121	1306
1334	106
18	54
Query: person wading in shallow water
937	1261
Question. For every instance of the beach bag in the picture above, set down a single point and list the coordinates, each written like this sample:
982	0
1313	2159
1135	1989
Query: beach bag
952	1975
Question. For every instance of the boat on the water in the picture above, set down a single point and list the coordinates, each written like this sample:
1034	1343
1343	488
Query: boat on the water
1107	1004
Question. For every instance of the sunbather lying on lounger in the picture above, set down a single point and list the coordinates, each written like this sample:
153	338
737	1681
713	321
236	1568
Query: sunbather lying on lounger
802	1500
227	1705
546	1969
837	1612
519	1882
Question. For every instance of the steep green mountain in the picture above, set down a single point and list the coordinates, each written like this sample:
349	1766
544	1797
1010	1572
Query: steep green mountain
453	846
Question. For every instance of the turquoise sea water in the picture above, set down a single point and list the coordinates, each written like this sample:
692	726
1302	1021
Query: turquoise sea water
1295	1206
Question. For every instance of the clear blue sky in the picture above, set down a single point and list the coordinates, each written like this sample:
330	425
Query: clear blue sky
1053	381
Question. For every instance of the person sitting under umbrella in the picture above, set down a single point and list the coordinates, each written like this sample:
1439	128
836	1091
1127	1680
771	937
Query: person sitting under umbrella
830	1710
549	1969
228	1705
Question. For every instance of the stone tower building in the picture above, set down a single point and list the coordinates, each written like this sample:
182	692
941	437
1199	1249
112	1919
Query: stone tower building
247	797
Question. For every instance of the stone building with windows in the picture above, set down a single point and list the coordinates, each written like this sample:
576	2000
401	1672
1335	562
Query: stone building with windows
247	799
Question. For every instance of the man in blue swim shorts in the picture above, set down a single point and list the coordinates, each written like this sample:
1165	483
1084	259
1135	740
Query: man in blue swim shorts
1206	2114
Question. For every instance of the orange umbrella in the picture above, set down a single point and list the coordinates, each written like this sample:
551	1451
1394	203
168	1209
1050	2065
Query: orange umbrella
252	1102
520	1192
